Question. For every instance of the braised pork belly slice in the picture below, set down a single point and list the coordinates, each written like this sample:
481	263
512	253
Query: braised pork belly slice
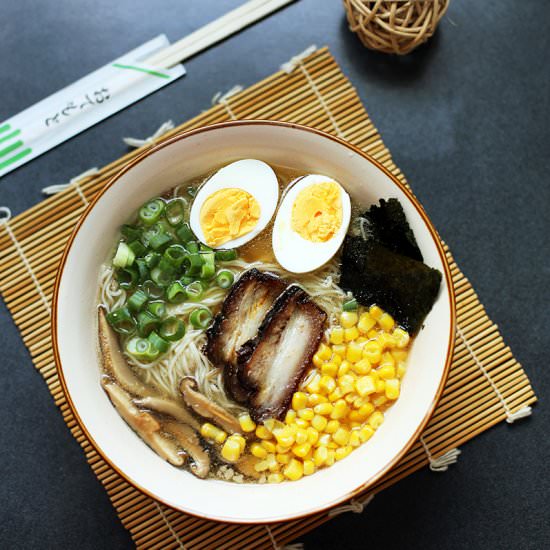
273	364
243	311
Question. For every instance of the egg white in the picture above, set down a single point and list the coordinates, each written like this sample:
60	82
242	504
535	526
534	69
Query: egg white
250	175
293	252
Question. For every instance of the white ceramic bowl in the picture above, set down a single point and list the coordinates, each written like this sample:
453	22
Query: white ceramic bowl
75	338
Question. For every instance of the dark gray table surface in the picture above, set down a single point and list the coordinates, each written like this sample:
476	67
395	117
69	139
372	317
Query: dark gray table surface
466	118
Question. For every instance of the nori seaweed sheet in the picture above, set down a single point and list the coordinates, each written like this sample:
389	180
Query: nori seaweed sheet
387	225
404	287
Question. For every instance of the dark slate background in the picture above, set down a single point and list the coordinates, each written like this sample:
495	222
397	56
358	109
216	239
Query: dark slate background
466	117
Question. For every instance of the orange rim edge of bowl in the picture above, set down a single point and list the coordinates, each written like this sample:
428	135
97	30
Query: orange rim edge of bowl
374	478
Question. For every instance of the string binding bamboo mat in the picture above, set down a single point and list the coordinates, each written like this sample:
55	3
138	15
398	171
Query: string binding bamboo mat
486	384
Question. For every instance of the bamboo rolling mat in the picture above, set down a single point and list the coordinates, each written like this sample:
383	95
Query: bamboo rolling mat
486	384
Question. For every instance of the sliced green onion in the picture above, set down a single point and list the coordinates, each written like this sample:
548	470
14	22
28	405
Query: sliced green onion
146	323
130	232
184	233
175	254
192	247
191	190
152	259
159	343
149	233
350	305
208	267
124	256
122	321
159	240
226	255
172	329
158	309
225	278
161	277
176	293
200	317
142	349
137	248
127	278
205	248
152	289
186	280
151	211
143	270
194	291
137	300
175	211
193	264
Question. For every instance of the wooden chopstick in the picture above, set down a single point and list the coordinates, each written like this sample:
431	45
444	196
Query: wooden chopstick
213	32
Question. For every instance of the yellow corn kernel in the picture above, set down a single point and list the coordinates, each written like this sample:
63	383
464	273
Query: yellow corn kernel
209	431
324	440
380	386
335	395
240	439
231	450
306	414
284	436
327	383
372	351
366	410
401	337
329	369
313	399
323	408
350	398
313	385
365	433
258	450
356	416
281	449
401	369
273	424
275	478
246	423
299	400
294	470
290	416
386	340
309	467
373	333
301	450
365	385
399	354
312	435
337	335
392	388
348	319
301	423
320	455
342	452
341	436
361	367
301	436
336	359
319	422
283	458
386	371
317	361
269	446
346	383
330	458
324	352
376	312
351	334
339	410
366	322
344	368
339	349
387	359
386	321
271	462
261	466
376	419
379	400
354	438
332	426
263	433
354	351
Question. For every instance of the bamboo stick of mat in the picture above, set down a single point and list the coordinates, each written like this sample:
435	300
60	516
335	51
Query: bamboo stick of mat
486	384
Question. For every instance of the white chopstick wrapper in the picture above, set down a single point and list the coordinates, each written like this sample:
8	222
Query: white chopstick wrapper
82	104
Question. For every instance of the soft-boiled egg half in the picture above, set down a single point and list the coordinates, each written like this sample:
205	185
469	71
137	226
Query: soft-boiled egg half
311	223
235	204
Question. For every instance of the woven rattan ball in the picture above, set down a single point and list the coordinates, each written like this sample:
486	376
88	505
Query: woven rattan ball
394	26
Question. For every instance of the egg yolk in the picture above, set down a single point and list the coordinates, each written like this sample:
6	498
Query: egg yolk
317	212
228	214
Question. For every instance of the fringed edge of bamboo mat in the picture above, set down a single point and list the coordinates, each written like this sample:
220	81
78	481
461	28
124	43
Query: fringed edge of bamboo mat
486	384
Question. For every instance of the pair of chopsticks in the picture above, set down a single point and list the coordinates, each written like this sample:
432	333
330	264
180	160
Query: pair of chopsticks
213	32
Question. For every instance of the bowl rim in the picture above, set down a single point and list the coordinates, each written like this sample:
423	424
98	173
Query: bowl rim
255	122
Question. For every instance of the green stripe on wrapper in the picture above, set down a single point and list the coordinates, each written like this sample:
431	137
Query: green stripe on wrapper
10	136
15	158
141	70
